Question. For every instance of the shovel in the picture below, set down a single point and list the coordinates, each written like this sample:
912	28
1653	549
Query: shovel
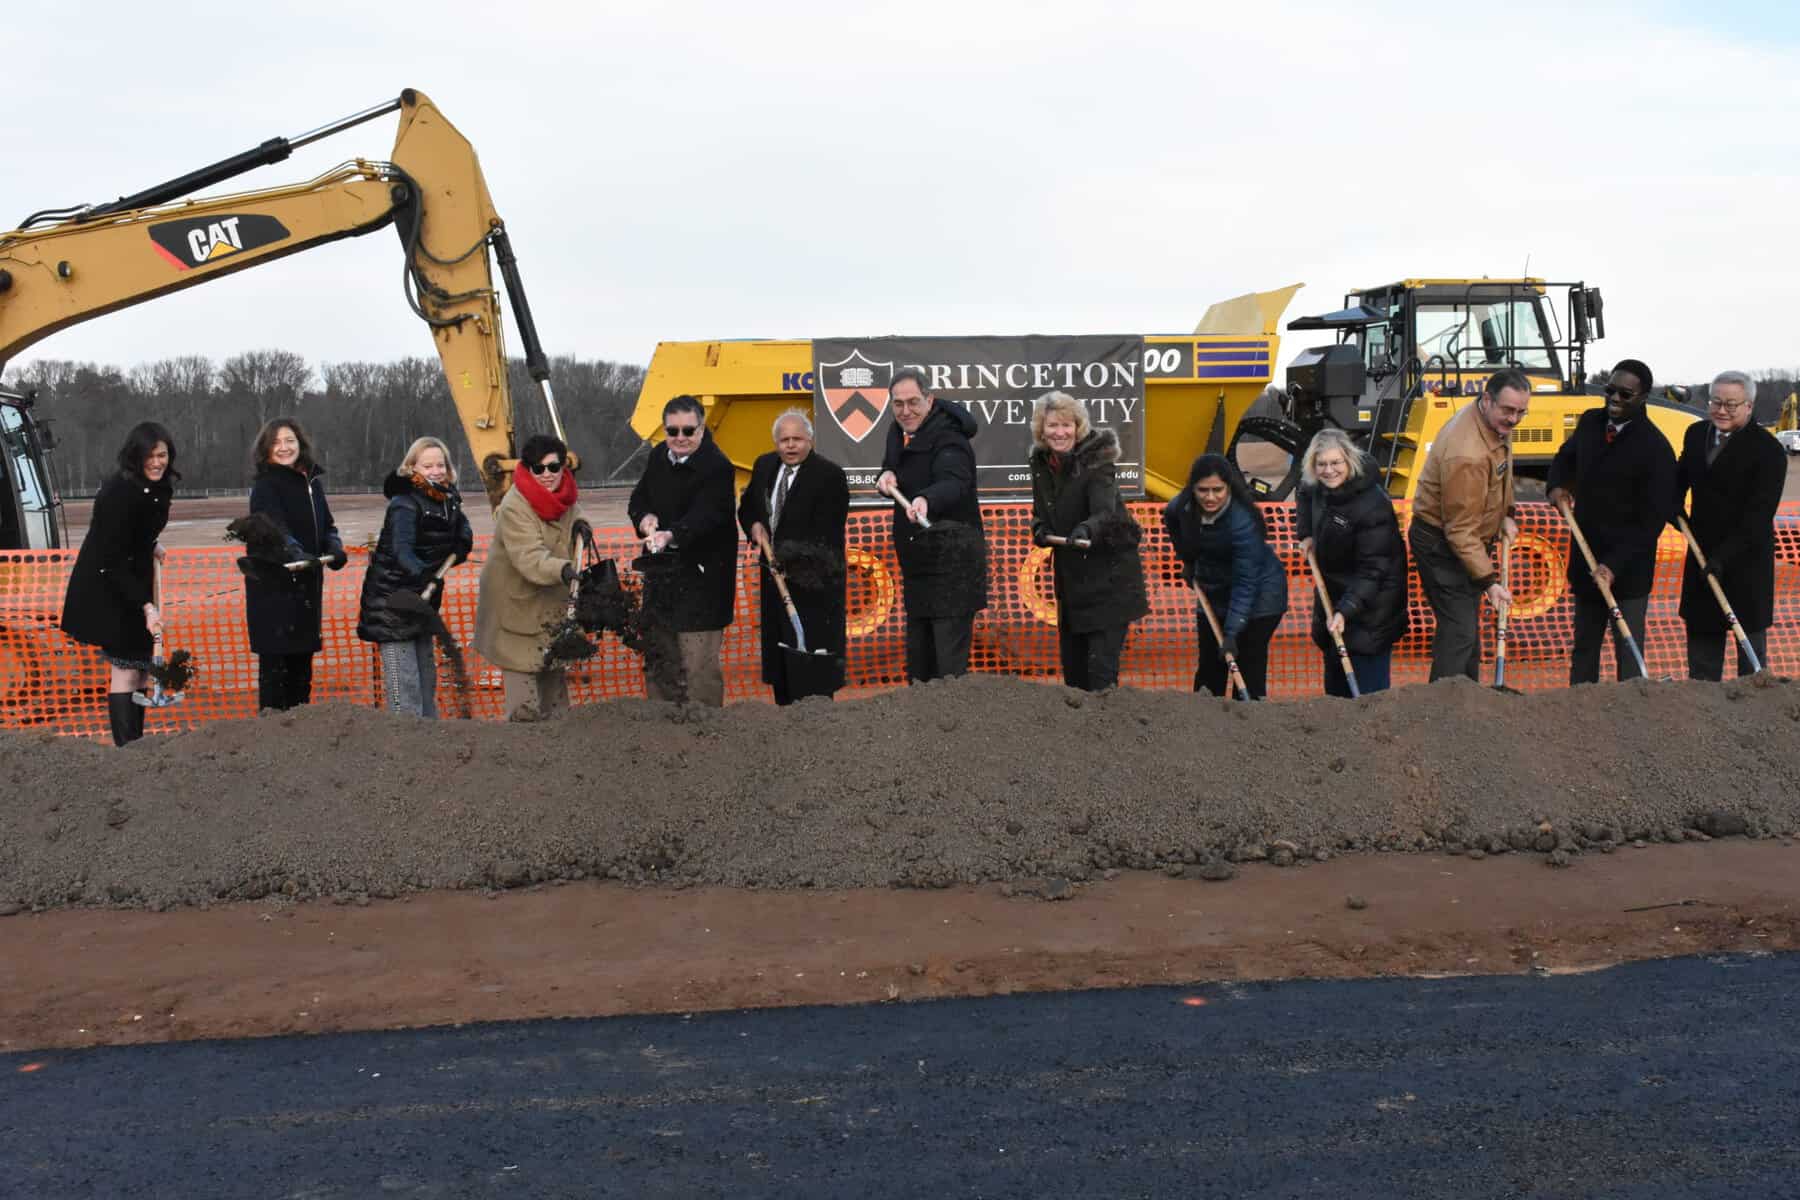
814	673
1231	667
1337	638
418	604
899	497
173	670
1500	620
1612	606
1718	591
568	643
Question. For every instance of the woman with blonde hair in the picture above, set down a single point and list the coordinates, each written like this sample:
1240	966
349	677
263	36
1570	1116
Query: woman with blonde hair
1343	516
424	528
1098	575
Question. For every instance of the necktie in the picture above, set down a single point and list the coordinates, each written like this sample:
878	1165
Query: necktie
781	491
1612	431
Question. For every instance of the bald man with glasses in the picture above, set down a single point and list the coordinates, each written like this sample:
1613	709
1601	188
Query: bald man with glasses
1464	501
1732	470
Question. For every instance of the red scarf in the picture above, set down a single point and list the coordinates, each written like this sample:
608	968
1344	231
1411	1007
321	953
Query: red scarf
548	505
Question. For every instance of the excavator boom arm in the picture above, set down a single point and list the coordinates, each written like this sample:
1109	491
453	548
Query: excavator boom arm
102	259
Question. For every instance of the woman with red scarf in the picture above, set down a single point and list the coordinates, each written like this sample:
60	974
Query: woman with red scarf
525	582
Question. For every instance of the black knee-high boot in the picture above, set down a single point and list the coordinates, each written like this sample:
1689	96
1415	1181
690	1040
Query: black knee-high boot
125	717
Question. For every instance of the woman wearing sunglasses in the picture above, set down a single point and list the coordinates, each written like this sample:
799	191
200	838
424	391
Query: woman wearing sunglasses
525	581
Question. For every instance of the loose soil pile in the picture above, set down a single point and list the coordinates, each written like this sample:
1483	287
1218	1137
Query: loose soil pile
963	781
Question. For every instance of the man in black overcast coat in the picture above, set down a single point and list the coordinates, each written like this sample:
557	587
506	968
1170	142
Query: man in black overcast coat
1618	474
798	501
682	507
1735	470
943	571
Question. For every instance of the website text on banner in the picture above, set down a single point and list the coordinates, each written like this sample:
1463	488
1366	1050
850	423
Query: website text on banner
50	683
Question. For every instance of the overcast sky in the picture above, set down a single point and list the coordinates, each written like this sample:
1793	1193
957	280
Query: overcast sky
680	171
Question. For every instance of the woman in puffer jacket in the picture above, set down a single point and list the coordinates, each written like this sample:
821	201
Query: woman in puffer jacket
424	528
1075	495
1343	515
1219	534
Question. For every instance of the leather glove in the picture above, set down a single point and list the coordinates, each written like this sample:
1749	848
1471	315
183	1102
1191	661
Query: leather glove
568	573
335	560
1038	536
1228	647
1713	568
1080	534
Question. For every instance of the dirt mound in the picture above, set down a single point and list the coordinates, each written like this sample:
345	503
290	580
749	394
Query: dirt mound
960	781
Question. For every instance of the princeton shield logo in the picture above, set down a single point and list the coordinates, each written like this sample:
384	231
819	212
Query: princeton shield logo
856	392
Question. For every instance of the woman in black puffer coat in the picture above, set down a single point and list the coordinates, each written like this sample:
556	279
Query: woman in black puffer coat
1075	495
284	608
424	528
111	602
1343	515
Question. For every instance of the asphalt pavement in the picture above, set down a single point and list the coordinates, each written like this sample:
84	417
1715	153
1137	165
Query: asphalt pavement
1678	1078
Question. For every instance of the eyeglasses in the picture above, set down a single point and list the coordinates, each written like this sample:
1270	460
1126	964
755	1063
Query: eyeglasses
681	430
1726	405
547	468
1623	393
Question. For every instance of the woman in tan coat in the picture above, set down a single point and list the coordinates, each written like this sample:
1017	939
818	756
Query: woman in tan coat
525	582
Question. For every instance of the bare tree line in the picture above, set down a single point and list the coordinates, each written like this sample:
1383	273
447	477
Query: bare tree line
360	415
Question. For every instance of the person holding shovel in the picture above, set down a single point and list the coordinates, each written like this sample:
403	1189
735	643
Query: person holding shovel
1616	475
284	609
424	529
111	601
1733	470
928	469
1219	534
683	507
525	581
1346	523
1077	512
1464	501
795	511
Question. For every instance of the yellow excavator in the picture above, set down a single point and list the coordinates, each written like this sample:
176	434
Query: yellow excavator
64	266
1411	354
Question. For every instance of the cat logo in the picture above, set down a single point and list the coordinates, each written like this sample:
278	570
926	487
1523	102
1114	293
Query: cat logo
855	392
199	241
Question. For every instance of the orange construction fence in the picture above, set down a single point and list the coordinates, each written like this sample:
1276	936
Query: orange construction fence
48	682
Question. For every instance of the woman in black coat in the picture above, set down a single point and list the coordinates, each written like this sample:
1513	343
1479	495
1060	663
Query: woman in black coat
1075	495
111	600
283	608
1343	515
423	529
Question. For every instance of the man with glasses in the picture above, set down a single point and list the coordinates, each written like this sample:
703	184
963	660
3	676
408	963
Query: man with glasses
684	509
1464	500
1617	471
943	569
1734	470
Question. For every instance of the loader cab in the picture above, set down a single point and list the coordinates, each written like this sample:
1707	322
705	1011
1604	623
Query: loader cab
30	512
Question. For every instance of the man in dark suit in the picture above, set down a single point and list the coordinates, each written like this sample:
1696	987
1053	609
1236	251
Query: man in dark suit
1734	469
943	569
1617	472
682	509
794	508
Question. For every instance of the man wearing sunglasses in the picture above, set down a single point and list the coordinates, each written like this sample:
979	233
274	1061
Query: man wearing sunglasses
938	536
1464	501
1733	469
683	508
1617	472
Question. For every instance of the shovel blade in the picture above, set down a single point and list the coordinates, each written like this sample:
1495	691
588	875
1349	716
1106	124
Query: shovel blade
811	674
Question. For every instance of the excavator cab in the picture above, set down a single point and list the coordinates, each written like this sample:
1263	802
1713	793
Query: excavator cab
30	513
1410	354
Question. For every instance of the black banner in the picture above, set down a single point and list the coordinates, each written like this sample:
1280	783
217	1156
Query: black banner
995	379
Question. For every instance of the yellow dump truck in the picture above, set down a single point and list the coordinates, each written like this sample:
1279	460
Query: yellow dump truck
1405	358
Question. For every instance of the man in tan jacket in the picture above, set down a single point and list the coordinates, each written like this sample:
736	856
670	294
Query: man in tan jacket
1465	500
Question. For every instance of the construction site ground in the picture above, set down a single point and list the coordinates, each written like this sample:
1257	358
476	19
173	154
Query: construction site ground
338	868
